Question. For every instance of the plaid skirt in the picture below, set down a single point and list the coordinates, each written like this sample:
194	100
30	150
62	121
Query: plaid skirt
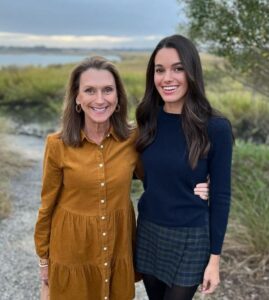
174	255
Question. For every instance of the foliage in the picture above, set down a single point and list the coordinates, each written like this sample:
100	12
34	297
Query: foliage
32	93
250	206
237	30
133	69
36	94
250	119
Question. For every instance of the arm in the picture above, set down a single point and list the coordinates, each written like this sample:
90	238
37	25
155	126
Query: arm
220	158
139	172
51	186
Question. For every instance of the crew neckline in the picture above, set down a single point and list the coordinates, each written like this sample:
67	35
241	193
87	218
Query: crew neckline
170	115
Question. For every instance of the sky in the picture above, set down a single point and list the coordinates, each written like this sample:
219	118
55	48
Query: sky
88	23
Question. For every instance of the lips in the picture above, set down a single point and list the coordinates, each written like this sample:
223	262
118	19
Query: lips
169	89
99	109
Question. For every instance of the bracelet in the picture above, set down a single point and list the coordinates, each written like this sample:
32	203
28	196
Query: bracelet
43	263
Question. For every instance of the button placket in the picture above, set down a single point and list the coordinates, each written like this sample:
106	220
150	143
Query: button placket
103	222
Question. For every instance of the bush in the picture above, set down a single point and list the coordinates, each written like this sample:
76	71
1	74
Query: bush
32	94
250	205
249	117
35	94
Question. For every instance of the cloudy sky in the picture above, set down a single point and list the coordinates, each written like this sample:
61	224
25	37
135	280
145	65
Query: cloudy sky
87	23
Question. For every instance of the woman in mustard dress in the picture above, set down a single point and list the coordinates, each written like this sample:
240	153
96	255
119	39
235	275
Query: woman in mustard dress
85	227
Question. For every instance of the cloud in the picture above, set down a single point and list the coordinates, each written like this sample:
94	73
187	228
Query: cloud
77	41
89	17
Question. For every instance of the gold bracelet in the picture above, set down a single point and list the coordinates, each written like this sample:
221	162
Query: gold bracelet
43	263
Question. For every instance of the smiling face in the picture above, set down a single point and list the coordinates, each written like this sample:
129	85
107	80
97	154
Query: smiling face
97	95
170	79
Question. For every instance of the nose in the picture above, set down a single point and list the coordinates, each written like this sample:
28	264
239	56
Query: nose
167	76
99	97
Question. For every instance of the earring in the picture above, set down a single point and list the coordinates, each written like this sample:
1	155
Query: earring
78	108
117	109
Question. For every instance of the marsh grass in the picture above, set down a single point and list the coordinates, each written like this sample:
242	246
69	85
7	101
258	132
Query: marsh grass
250	206
249	117
10	165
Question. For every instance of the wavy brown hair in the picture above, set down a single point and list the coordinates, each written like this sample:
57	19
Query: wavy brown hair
73	122
196	109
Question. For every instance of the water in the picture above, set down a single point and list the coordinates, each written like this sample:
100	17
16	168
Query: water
26	59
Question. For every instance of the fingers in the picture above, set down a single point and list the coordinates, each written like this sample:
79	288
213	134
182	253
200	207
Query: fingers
202	185
205	285
202	193
203	196
45	282
202	190
208	287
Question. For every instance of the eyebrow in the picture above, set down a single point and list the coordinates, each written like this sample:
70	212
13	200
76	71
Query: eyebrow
92	86
173	65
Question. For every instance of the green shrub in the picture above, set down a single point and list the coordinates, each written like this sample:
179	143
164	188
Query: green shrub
250	205
32	94
249	117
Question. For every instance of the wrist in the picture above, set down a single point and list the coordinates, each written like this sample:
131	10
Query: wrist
214	259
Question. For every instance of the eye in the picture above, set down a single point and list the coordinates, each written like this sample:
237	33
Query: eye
108	90
179	69
159	70
90	91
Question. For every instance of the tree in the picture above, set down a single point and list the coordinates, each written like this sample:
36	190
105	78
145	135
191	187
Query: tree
237	30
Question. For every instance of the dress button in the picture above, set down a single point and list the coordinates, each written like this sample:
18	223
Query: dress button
105	248
103	217
102	200
105	264
108	135
101	146
104	233
106	298
106	280
100	165
102	183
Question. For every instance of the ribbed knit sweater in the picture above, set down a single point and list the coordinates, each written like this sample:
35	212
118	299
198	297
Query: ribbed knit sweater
168	197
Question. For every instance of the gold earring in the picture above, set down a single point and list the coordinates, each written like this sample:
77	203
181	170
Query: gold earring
117	109
78	108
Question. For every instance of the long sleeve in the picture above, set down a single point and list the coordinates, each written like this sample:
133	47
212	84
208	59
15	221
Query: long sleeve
220	181
51	186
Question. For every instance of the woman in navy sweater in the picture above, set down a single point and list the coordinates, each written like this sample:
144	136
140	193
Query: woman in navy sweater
182	141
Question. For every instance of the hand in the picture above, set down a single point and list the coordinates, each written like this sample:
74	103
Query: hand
211	276
44	272
202	190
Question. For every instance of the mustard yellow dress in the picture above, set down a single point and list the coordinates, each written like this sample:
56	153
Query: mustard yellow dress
86	220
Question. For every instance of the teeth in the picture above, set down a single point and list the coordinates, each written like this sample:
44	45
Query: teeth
169	88
99	109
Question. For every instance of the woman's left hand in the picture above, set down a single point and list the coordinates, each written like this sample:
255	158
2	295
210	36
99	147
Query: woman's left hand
202	190
211	276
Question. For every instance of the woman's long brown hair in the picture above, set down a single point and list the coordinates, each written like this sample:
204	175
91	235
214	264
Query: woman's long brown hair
73	122
196	109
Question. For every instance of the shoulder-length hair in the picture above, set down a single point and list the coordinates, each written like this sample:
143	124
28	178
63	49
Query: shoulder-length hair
196	109
73	122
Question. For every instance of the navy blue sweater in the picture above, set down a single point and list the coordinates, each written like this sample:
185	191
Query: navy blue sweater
168	197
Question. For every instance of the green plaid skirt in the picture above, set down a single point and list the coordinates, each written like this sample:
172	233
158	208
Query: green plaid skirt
174	255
